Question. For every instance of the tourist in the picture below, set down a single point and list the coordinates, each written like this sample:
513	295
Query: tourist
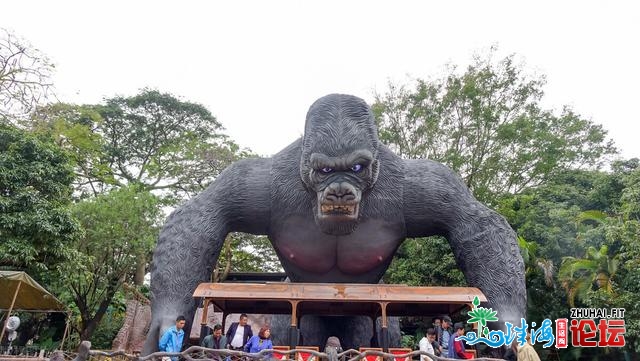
216	340
260	342
172	339
437	326
239	333
445	335
456	347
426	344
526	351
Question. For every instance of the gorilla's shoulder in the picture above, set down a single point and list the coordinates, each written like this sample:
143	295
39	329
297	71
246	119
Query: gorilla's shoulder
419	168
287	161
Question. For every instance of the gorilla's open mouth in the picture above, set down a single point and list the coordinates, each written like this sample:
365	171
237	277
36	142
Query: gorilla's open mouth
347	211
338	207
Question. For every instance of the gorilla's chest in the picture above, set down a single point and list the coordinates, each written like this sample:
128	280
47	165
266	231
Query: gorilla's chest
299	242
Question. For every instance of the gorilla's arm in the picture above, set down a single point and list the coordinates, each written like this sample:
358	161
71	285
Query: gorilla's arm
438	203
190	242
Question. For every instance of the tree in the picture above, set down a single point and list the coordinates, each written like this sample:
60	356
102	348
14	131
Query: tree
581	275
76	129
588	219
154	140
118	226
25	77
425	262
244	252
36	226
162	143
487	124
533	263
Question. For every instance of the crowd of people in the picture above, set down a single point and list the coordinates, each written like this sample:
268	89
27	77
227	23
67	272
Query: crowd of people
439	340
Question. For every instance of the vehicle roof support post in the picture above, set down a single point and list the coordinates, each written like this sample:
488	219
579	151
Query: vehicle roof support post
384	332
224	319
294	332
204	330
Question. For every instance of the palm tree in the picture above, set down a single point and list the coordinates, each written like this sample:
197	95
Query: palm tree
595	271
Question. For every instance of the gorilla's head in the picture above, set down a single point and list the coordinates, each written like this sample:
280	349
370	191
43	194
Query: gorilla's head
339	159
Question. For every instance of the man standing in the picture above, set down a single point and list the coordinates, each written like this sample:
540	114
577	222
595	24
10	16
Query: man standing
426	344
172	339
239	333
437	326
445	335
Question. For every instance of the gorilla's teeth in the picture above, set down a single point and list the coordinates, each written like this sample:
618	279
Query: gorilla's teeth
344	209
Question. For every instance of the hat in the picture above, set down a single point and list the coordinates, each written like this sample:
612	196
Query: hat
446	319
458	326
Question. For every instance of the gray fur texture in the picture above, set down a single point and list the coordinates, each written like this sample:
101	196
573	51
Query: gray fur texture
336	205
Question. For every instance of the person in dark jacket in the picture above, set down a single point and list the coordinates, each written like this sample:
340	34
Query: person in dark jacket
239	333
216	341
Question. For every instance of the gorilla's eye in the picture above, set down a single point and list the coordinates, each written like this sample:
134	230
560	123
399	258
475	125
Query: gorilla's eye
356	168
326	170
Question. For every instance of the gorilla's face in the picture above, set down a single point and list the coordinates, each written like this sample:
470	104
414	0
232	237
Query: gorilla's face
339	183
339	160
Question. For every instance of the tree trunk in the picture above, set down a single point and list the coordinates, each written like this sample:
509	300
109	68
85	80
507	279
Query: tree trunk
90	324
141	267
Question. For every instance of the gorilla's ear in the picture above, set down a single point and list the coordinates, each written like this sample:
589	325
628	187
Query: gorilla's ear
375	170
305	171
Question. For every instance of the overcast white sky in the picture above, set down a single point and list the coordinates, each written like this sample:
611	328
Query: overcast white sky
258	65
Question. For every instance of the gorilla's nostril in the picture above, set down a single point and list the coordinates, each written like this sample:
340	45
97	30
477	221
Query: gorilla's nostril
331	198
349	197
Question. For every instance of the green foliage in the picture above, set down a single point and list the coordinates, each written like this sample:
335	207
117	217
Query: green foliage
107	330
152	139
36	226
159	141
487	124
118	227
243	252
409	341
424	262
581	275
588	220
76	128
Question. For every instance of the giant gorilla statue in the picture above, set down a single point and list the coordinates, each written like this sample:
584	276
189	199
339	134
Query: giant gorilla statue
336	205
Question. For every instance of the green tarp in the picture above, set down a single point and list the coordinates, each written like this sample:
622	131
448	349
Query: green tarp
31	296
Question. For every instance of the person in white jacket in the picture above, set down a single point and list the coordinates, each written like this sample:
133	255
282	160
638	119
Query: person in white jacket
426	344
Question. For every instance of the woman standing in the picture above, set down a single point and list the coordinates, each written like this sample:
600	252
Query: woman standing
260	342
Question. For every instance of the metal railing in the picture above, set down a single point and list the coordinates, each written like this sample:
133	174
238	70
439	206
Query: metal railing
197	353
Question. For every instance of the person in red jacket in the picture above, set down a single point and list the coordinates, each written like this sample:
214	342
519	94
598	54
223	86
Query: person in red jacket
459	345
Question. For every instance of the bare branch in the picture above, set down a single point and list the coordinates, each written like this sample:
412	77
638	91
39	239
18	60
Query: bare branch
25	77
